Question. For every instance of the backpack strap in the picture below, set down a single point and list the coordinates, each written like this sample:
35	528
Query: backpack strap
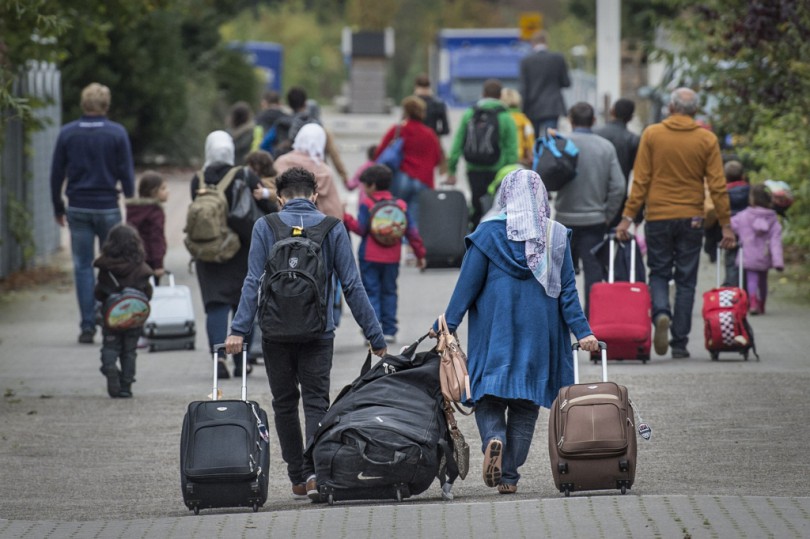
316	233
226	180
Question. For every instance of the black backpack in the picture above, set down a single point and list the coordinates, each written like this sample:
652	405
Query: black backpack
555	159
292	292
481	143
385	435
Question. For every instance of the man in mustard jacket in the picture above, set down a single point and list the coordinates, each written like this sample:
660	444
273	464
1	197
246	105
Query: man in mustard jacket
675	158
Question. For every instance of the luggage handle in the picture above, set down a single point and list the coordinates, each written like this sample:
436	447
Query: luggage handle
740	272
612	255
166	273
216	349
603	347
399	456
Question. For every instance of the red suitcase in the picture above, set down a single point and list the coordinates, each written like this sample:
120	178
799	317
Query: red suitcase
621	313
725	318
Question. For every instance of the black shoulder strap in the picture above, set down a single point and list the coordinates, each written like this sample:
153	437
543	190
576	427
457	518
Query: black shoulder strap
280	230
319	232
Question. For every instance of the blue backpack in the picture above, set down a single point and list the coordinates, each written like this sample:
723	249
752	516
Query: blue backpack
555	159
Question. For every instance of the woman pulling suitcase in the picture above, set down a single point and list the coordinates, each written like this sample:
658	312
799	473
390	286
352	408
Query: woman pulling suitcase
517	281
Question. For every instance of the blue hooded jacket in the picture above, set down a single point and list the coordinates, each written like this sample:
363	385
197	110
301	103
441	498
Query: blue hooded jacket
519	337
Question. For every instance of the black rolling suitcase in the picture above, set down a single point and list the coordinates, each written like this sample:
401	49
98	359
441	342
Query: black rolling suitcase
444	222
591	435
224	451
385	436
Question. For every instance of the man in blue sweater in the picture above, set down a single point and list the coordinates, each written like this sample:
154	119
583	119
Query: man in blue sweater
302	368
93	154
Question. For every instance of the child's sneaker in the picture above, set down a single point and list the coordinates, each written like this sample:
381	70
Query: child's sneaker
113	383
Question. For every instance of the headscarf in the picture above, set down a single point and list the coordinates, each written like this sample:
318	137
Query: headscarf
218	149
311	139
522	201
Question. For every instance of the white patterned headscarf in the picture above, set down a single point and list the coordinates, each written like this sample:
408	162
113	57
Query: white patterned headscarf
311	139
218	148
522	201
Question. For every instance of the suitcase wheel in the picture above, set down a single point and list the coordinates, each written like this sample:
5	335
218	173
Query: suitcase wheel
566	488
567	492
196	510
624	489
715	355
255	507
623	486
562	467
399	494
330	499
624	466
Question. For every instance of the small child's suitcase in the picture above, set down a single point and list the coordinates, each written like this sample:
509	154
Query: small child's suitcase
725	318
620	313
170	325
224	450
591	435
443	224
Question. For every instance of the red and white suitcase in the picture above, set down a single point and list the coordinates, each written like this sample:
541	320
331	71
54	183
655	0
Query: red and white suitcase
620	313
592	435
725	318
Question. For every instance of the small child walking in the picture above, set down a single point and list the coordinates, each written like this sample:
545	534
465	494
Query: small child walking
121	264
760	234
382	221
146	215
354	182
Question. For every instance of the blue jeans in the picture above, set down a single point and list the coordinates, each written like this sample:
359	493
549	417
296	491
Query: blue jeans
408	189
120	346
216	326
515	430
85	226
583	239
673	252
380	282
298	371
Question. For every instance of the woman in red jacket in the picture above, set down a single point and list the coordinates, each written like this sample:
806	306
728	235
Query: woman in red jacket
421	154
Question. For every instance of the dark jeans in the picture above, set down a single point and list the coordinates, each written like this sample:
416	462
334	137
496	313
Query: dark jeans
123	346
87	226
540	125
515	430
479	181
673	252
380	282
298	370
583	239
216	326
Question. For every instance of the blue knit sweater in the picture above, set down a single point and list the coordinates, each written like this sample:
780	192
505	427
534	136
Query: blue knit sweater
519	337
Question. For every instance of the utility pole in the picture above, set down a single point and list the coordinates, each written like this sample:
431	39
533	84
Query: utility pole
608	54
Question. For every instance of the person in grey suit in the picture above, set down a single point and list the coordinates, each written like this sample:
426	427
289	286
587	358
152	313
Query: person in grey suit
589	202
624	140
543	75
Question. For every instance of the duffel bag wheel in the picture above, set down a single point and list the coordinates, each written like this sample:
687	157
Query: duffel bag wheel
331	499
714	355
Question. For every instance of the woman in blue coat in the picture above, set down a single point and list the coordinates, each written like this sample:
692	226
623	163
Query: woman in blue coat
517	283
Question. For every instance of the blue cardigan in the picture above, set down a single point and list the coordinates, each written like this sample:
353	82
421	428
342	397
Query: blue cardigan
519	337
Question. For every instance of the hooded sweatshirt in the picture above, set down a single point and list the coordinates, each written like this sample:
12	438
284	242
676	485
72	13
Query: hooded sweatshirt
149	219
674	159
760	235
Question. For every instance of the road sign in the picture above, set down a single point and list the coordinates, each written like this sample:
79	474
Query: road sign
530	22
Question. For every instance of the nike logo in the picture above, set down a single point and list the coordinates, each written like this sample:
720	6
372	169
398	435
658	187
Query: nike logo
362	477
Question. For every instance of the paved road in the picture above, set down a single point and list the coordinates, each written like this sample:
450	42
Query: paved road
727	457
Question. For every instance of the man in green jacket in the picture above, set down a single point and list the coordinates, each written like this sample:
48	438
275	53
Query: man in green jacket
487	139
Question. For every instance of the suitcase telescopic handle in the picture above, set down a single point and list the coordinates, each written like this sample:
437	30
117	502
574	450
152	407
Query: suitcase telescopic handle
603	348
740	273
216	348
612	254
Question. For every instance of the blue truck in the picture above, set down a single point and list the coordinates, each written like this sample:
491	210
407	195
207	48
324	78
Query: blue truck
464	58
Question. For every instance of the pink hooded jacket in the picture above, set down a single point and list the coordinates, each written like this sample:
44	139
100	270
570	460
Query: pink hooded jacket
760	233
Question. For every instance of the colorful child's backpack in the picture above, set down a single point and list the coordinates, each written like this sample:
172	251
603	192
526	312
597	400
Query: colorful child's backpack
127	308
388	222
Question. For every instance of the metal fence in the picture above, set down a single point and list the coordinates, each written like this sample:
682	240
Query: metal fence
26	172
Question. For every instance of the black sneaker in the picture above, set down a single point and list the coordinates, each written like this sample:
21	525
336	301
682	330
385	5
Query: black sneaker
113	384
86	336
680	353
126	391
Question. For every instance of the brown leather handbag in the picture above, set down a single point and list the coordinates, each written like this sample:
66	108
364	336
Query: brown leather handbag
455	380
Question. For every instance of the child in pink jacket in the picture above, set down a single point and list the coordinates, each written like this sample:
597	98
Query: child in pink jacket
760	234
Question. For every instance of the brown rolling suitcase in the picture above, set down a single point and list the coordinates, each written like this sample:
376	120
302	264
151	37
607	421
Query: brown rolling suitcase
591	435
